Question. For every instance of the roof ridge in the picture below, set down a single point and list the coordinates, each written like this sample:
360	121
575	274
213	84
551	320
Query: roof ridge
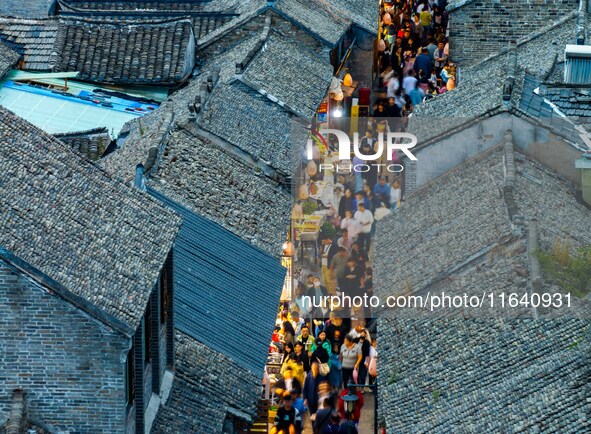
81	132
55	57
535	268
510	174
208	84
264	35
118	23
510	74
19	20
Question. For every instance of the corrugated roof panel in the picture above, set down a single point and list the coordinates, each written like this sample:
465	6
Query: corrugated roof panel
226	290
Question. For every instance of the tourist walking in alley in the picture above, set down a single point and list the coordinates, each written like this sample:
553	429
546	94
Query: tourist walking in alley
365	219
288	419
350	359
310	390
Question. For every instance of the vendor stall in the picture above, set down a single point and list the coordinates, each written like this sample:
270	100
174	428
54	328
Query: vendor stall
307	231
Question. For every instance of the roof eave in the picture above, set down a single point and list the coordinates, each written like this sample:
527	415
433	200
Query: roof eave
499	108
458	5
365	28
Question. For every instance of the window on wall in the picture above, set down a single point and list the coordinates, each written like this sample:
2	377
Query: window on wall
148	334
130	377
164	295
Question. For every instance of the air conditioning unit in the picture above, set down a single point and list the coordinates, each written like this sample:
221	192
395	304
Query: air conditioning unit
577	68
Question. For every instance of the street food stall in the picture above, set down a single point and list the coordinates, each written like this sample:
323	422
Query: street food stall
307	231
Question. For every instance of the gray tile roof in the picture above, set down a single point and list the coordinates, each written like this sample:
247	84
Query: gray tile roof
456	216
206	385
226	61
262	125
479	92
215	184
464	201
256	125
478	376
135	140
146	53
245	10
204	25
272	70
480	87
91	144
572	100
34	40
205	16
318	17
8	59
146	6
360	13
540	193
27	9
101	240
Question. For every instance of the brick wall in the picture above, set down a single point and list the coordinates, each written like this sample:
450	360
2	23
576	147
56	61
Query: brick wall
485	27
70	365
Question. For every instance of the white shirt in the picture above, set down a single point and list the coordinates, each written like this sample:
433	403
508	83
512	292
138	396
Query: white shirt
345	243
409	83
351	225
393	86
395	195
365	218
372	352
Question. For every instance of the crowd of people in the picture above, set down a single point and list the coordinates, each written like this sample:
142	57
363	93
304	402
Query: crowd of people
326	350
413	54
321	362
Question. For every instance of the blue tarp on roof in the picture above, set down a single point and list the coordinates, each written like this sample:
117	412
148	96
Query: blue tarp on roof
226	291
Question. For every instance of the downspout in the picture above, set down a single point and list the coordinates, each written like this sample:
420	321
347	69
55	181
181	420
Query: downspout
511	72
582	22
535	268
17	413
